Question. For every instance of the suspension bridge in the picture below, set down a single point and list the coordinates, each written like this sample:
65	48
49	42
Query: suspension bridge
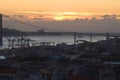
23	41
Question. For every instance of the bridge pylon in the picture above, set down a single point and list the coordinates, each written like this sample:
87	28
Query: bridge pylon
1	29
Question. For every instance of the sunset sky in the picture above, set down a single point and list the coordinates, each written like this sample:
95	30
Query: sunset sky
61	9
64	15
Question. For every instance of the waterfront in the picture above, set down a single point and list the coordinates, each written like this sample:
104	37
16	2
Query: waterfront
68	39
60	40
84	61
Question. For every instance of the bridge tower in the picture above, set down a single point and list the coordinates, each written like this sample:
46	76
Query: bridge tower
0	29
107	36
75	37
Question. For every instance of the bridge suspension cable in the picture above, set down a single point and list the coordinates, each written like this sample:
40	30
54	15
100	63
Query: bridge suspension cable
31	25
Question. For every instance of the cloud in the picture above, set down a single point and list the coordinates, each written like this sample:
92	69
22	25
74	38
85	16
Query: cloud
111	24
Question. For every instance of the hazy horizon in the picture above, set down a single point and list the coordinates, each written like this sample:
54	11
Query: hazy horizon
107	23
68	15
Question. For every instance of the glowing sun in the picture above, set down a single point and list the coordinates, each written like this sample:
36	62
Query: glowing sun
59	18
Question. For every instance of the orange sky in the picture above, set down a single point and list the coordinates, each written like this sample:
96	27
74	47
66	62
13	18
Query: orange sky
61	9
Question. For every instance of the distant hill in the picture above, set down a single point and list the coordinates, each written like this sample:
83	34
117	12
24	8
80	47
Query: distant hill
14	32
11	32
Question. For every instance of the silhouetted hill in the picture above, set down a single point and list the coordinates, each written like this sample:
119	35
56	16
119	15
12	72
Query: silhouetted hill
11	32
14	32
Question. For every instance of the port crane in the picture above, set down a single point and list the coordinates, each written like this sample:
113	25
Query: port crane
18	41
